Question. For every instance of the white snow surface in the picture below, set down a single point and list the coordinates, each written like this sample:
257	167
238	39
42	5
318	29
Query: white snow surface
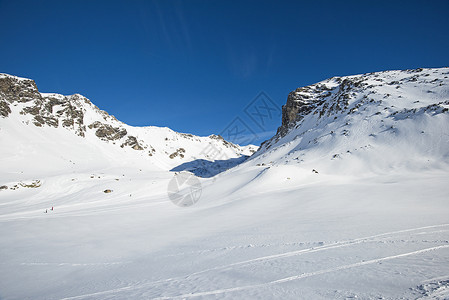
372	221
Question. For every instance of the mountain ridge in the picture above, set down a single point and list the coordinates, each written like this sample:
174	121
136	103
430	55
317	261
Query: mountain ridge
389	112
342	203
20	100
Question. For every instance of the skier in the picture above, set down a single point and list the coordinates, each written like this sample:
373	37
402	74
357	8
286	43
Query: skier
45	211
52	208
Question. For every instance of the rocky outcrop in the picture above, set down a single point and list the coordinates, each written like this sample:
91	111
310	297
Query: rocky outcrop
306	99
16	89
53	110
107	132
30	185
297	106
5	110
224	142
340	97
179	152
76	114
132	142
41	107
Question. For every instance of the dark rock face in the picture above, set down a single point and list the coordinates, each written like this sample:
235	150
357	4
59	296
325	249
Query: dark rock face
179	152
304	100
56	110
339	97
314	99
5	110
17	90
107	132
132	142
20	90
294	110
71	115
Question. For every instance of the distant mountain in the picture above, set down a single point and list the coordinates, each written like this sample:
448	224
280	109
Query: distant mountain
42	131
372	122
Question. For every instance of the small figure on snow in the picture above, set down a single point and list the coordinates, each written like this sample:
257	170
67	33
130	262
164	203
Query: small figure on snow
52	208
45	211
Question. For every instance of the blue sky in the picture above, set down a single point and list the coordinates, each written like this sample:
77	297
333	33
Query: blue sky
195	66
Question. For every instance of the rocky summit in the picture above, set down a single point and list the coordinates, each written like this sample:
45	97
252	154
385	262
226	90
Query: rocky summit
392	111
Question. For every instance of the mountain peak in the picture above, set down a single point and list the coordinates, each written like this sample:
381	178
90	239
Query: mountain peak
21	102
394	115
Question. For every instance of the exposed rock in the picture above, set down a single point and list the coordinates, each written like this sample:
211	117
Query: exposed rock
33	110
78	115
18	89
71	115
151	151
224	142
41	106
186	135
304	100
132	142
33	184
344	97
294	110
179	152
38	121
5	110
107	132
216	137
51	101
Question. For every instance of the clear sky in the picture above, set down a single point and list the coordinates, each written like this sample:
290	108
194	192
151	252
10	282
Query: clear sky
194	66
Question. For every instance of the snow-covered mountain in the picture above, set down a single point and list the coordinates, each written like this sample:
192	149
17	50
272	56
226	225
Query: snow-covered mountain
46	132
348	200
376	122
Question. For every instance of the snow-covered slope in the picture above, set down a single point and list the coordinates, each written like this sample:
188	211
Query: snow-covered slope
377	122
42	132
371	223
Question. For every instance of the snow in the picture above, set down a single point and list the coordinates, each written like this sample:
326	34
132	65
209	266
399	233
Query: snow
3	75
306	238
371	224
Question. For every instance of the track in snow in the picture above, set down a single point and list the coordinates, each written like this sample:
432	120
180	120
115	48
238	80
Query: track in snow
278	256
304	275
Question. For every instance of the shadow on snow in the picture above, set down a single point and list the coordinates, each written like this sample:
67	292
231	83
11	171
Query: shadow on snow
206	169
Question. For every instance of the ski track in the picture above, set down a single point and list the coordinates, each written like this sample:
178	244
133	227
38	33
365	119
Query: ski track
72	264
276	256
304	275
